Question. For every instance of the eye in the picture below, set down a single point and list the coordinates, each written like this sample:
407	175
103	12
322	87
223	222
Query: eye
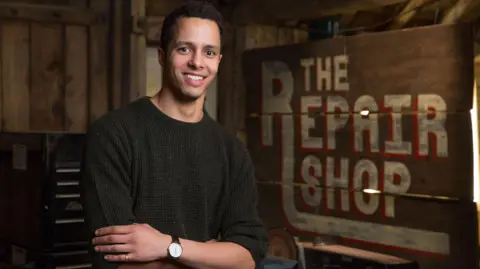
183	50
211	53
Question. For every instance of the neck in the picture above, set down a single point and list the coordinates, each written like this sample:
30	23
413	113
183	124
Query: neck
166	102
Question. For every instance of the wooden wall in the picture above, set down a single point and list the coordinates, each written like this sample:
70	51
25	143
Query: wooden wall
54	65
323	167
231	88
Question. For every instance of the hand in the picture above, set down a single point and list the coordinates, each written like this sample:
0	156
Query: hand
137	242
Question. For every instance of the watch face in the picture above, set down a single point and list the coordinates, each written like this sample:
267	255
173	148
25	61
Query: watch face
175	250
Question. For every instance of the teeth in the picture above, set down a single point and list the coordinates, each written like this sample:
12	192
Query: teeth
194	77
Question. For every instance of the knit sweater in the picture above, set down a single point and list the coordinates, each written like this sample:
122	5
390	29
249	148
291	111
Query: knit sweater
193	180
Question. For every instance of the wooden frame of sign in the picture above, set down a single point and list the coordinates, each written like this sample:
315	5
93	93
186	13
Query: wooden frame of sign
369	138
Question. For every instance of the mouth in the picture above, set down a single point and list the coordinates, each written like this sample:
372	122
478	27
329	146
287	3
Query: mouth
194	77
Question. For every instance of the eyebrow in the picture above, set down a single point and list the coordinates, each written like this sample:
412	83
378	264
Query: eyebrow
191	44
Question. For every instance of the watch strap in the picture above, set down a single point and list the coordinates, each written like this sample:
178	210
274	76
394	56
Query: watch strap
175	239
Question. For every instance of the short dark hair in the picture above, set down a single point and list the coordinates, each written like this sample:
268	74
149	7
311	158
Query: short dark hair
192	9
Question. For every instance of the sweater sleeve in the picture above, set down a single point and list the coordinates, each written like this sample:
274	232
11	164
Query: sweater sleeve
241	223
105	184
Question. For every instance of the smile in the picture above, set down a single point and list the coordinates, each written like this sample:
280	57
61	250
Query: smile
194	77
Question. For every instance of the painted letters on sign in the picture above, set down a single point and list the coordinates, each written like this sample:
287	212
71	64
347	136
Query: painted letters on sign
349	130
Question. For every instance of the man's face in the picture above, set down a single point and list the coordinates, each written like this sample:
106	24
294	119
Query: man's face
192	59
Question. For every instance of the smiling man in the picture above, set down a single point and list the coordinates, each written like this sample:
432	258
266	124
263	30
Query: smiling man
162	183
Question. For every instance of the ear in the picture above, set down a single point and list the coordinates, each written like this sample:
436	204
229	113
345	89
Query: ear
220	58
161	57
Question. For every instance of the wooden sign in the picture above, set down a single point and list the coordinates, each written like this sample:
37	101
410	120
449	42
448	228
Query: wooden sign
369	138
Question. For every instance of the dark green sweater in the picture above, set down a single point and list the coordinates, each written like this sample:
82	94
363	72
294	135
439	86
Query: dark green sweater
192	180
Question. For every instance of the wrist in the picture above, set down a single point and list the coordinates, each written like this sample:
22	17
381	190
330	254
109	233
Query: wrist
162	250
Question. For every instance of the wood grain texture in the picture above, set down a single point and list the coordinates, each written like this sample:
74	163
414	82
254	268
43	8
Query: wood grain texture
439	167
54	75
47	104
368	138
237	39
138	47
377	66
76	86
98	71
435	234
15	76
273	11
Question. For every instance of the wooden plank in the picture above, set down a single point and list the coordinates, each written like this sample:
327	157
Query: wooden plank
405	109
46	13
408	12
164	7
15	76
117	48
98	59
249	37
273	11
435	234
383	137
76	81
463	11
225	77
47	103
1	82
343	143
365	67
138	46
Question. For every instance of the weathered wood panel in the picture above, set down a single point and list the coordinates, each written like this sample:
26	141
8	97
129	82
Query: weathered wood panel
47	109
369	138
433	233
99	35
164	7
273	11
434	159
15	68
55	75
138	54
76	87
377	67
232	93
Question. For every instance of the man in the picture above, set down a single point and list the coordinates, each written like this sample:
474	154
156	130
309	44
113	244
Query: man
161	180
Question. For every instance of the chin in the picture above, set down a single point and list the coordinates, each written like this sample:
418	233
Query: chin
191	95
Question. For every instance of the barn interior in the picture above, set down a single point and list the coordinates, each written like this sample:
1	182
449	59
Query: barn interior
66	63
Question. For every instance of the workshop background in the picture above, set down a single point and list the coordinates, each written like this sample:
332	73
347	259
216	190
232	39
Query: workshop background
361	117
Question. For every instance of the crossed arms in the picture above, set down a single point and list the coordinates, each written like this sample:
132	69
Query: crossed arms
107	202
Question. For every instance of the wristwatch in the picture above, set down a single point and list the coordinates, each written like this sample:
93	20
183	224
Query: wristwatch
175	248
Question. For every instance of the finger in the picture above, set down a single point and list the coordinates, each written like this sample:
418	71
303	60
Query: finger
112	239
129	257
125	229
116	248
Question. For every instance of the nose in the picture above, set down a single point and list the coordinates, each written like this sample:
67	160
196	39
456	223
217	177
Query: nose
196	61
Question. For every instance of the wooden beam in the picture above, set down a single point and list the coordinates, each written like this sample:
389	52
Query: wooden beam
138	46
162	8
463	11
408	12
47	13
273	11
